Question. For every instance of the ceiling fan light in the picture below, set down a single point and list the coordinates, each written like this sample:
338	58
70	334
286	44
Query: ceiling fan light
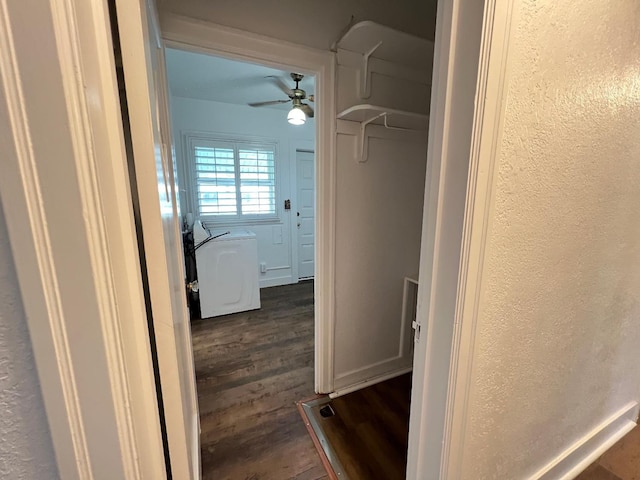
296	116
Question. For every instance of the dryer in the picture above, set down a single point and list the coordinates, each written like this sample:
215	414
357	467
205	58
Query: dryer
228	273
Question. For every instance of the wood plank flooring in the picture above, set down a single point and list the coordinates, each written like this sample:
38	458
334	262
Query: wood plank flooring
250	378
369	431
251	368
620	462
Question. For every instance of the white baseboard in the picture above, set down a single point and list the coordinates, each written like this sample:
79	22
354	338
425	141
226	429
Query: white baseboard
371	380
276	281
575	459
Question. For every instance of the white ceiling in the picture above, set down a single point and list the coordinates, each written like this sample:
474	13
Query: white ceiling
205	77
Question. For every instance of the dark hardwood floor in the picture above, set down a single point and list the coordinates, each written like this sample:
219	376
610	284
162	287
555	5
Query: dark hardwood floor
369	431
251	368
620	462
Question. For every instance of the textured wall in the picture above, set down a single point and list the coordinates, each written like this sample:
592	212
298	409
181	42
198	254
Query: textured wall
313	23
559	321
26	451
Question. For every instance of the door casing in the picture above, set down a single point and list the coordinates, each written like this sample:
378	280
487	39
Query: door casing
468	81
144	78
193	35
83	298
79	61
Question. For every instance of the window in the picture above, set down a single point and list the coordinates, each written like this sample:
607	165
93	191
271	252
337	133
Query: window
234	180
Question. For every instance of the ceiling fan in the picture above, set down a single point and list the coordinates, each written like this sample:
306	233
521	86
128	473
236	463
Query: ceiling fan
298	113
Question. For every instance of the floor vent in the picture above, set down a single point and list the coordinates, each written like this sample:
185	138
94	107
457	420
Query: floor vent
327	411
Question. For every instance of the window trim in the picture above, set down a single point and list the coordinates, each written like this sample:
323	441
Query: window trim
189	141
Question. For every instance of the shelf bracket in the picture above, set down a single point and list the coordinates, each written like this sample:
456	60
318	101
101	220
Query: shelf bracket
362	154
365	75
390	127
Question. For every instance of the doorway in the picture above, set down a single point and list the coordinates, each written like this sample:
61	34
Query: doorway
380	192
246	177
305	213
95	437
237	157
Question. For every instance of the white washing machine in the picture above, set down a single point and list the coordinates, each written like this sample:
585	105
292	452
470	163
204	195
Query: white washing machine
228	273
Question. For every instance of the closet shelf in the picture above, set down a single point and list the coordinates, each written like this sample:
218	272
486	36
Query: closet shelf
389	117
373	40
394	46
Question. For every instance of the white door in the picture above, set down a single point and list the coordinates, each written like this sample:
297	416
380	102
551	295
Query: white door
145	83
305	211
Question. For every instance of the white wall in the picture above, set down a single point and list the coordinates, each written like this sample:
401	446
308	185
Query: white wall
313	23
378	218
274	239
26	451
558	330
378	229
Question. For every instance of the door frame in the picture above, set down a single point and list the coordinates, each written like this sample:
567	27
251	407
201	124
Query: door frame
199	36
295	147
65	192
469	80
147	110
105	394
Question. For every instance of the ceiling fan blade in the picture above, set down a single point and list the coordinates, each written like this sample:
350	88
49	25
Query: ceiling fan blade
280	83
264	104
308	111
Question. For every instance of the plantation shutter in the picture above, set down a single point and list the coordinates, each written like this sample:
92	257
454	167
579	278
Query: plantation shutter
234	179
216	180
257	181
